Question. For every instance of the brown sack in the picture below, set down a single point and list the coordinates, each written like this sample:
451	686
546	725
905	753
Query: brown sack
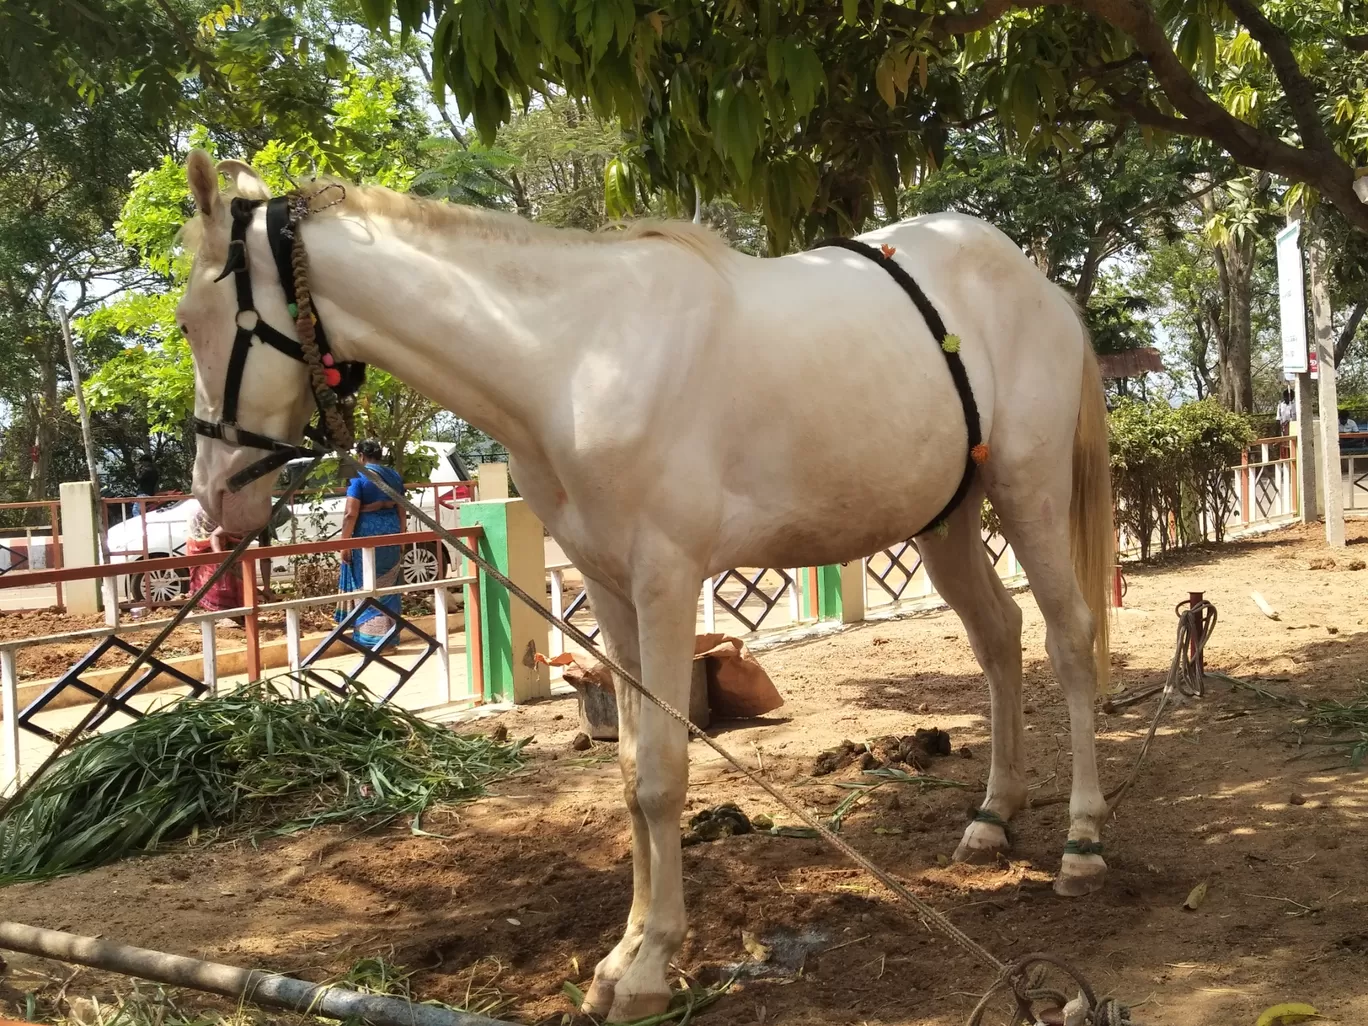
738	686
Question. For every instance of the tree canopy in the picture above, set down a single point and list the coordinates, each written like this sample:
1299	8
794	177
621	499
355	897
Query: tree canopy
815	110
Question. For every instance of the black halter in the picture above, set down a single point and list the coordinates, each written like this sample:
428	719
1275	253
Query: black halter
280	233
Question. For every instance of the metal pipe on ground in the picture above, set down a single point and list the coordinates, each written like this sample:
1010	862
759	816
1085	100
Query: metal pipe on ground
262	988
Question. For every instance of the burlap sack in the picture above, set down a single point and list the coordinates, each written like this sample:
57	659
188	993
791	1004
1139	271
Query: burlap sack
738	686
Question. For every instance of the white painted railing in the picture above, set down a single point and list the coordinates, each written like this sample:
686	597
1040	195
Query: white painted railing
444	693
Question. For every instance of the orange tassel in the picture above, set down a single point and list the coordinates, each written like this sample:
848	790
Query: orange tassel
979	454
888	250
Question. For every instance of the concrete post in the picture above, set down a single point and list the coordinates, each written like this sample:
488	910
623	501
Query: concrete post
841	592
511	634
80	544
492	481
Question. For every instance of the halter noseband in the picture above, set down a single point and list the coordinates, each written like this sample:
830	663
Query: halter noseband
282	219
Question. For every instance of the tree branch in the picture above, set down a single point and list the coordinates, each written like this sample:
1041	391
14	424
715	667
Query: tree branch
1346	338
1317	164
972	21
1301	94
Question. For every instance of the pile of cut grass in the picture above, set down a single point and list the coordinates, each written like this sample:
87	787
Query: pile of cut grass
253	760
1345	726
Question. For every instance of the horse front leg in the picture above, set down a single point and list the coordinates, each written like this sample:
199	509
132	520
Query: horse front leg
666	610
617	620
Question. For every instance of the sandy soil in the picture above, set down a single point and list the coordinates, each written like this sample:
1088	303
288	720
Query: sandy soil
529	888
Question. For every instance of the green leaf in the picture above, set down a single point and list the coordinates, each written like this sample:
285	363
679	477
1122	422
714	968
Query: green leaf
376	13
850	11
883	78
774	60
619	194
410	14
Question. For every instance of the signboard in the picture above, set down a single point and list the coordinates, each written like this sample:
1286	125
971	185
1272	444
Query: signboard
1292	300
1313	363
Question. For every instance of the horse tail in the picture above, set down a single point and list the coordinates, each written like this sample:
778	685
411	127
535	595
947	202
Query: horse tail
1092	536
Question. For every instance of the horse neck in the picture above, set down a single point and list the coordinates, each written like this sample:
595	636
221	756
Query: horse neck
481	327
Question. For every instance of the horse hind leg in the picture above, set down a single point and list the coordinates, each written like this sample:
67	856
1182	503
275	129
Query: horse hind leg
963	574
617	622
1041	543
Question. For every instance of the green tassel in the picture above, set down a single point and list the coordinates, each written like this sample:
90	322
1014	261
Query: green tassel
294	309
951	343
942	530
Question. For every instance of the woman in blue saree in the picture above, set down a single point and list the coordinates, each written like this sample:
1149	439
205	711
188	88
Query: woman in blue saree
370	512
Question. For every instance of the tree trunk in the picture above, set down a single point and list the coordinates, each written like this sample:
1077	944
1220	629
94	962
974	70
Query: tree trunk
46	412
1087	274
1237	385
1350	332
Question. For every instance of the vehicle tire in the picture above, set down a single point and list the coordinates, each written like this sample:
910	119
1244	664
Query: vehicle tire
418	565
160	587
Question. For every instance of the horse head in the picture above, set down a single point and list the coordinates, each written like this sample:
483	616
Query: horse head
262	395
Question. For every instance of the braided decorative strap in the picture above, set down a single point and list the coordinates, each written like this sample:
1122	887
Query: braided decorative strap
336	424
1079	847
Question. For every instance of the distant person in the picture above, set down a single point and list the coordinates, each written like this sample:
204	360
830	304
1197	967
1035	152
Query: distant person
368	512
1347	423
227	591
148	480
1286	413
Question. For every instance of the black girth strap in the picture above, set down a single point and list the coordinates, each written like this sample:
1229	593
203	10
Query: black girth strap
952	360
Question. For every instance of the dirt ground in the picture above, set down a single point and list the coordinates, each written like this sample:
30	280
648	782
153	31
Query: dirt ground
529	888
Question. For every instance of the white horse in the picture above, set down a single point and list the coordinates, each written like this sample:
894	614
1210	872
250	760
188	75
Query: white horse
674	408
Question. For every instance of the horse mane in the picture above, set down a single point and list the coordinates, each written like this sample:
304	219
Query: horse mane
334	196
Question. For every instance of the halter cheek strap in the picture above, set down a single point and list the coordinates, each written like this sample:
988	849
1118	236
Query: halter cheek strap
280	233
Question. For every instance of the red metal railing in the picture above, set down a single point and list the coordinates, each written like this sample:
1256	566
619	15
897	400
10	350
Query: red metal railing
251	611
446	493
52	507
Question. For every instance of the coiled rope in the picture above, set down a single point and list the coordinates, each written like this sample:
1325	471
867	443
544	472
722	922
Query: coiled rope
1196	621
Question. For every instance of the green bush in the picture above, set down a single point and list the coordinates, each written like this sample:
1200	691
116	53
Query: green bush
1170	470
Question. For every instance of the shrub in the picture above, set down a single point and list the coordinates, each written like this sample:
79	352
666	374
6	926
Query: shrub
1171	470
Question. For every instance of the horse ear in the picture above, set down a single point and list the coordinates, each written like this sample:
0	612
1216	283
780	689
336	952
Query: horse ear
203	179
249	184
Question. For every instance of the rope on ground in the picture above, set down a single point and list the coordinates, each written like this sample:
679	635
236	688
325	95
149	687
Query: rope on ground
1036	1004
1196	622
1186	675
1008	975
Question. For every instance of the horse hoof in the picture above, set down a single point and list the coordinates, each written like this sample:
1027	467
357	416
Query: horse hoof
631	1007
599	998
982	844
1080	875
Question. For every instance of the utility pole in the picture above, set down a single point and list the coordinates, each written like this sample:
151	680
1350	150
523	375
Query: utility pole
83	413
1292	306
1318	266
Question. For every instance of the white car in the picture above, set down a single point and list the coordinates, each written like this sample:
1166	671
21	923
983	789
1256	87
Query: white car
163	532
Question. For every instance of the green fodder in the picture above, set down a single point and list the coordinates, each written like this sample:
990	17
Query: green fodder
254	759
1345	726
